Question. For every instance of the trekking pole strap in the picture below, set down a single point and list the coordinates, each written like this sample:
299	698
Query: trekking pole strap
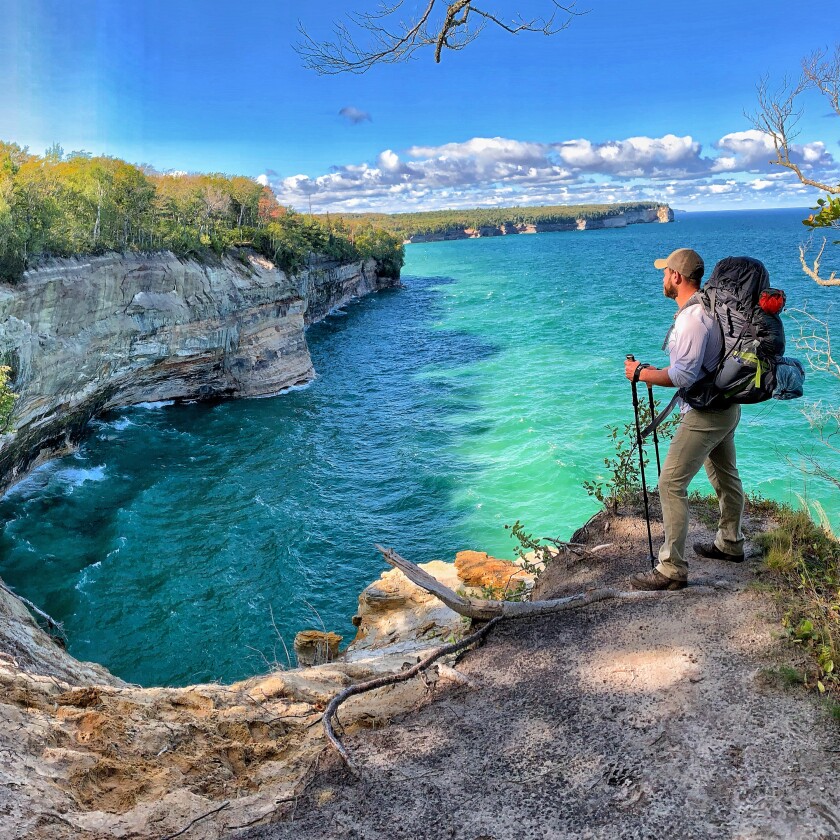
638	372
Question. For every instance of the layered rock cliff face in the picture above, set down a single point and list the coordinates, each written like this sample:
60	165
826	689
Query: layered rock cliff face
85	336
662	214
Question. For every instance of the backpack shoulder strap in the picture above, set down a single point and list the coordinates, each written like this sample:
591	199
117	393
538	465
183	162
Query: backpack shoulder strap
657	421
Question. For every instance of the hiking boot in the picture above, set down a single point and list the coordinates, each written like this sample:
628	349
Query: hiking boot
712	552
654	580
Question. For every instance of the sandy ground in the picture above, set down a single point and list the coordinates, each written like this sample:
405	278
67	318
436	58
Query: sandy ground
620	720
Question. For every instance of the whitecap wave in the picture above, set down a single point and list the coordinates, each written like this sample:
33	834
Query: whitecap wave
118	425
84	576
154	406
36	481
77	476
300	387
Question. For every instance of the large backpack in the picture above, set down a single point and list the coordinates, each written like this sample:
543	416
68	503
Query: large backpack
739	298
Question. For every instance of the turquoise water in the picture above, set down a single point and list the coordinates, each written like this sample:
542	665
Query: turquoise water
189	543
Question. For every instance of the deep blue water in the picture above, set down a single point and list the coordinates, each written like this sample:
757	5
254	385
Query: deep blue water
185	543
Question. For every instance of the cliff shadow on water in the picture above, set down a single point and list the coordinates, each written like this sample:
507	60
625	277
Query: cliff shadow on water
179	536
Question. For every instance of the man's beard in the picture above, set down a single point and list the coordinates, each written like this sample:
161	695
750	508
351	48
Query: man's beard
669	290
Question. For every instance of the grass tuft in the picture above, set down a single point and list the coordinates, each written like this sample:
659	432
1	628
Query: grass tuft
803	559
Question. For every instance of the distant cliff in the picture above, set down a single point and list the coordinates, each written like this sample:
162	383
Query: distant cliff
620	219
83	336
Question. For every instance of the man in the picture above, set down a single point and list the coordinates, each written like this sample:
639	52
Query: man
695	345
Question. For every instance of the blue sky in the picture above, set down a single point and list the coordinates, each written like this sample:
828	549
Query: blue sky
633	100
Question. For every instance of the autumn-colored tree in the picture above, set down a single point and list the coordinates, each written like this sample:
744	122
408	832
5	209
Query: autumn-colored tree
62	205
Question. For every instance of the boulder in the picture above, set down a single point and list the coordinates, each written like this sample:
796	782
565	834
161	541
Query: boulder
315	647
477	568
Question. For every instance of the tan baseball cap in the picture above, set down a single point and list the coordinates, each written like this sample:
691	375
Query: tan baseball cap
687	262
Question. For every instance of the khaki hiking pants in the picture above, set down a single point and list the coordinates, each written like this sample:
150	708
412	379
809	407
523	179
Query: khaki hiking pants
702	437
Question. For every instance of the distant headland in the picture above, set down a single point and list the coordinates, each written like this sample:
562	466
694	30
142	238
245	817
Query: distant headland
502	221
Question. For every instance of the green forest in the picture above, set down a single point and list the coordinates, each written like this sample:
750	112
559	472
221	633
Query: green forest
57	205
406	225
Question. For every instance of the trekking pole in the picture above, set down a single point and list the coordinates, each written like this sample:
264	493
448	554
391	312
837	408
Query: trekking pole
655	436
632	358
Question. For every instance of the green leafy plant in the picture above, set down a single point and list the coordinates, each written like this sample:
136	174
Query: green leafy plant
624	481
533	553
7	400
518	592
827	215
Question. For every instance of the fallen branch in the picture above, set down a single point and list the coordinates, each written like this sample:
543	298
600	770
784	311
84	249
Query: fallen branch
57	626
485	610
393	679
475	608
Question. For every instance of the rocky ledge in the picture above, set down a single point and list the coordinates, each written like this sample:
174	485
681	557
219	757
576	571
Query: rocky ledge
661	214
84	755
83	336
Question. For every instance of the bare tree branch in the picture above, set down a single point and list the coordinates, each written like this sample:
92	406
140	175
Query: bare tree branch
56	626
443	24
777	116
813	271
817	470
824	74
778	113
815	339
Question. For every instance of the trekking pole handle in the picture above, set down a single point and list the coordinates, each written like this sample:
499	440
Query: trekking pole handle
638	372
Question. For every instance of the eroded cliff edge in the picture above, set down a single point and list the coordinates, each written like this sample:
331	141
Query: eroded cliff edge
85	756
83	336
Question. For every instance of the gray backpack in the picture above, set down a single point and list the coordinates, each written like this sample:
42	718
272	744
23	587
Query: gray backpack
739	298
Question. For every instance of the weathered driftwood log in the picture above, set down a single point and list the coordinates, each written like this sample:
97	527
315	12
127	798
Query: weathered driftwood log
484	610
490	611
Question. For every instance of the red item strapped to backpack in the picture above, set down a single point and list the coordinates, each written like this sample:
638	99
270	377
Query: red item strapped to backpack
772	301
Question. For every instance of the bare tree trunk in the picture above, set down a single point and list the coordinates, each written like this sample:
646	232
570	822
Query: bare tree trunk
97	224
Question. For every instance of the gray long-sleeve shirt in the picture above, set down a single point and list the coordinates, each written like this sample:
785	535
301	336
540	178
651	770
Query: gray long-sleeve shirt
695	345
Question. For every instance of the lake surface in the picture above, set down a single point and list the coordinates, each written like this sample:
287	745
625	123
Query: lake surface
185	543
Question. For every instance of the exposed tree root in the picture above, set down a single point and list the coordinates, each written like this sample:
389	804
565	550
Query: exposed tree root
475	608
198	819
392	679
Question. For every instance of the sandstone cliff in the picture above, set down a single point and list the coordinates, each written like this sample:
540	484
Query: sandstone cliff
662	214
84	336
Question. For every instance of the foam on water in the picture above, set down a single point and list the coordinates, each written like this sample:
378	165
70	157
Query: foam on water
153	406
74	477
302	386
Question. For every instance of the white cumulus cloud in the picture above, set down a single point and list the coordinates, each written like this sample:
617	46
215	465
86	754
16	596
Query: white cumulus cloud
635	157
492	171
